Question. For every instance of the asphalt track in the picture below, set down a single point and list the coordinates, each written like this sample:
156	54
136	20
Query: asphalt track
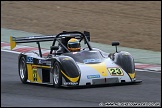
16	94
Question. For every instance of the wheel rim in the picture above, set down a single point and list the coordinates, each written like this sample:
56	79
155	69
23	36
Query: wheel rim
56	74
22	69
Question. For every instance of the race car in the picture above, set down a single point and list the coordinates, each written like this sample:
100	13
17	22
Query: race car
61	67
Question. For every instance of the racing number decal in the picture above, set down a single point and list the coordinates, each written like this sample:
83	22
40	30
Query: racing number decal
29	60
34	74
116	71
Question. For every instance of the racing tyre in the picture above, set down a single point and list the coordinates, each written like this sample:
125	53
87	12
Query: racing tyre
57	76
23	70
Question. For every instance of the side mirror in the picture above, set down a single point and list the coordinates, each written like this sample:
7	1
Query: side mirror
54	48
115	44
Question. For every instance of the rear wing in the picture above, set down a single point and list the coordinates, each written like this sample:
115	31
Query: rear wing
29	39
37	39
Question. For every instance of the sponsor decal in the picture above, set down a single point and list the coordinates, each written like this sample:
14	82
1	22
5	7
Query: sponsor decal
34	74
29	59
66	59
93	76
70	83
91	60
115	71
44	62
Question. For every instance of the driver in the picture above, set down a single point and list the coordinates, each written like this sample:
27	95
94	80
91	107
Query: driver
73	45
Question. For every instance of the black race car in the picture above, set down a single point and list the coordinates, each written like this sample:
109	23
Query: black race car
89	66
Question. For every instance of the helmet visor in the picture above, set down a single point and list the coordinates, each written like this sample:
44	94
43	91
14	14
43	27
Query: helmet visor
74	45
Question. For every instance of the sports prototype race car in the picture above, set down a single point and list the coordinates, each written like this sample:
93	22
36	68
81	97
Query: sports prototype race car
62	67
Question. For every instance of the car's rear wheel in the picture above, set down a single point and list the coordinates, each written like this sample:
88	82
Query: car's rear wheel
23	70
57	76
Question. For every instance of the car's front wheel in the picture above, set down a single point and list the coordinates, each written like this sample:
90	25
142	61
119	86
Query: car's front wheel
23	70
57	76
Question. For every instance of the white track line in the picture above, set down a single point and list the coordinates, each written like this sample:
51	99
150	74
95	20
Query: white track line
145	70
10	51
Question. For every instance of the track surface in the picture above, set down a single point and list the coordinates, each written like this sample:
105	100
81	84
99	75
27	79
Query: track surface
16	94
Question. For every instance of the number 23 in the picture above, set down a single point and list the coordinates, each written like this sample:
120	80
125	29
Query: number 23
115	71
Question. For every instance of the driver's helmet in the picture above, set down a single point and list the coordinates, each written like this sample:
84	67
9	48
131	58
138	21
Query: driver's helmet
73	45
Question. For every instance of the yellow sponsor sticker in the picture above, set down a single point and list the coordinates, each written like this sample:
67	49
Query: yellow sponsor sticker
66	59
34	74
115	71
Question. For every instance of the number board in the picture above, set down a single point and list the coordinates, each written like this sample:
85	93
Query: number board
29	60
115	71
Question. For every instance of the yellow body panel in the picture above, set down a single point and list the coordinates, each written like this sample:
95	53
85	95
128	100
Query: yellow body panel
33	75
41	66
132	75
100	67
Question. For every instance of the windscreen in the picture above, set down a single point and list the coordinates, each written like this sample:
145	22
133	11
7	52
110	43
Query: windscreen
87	57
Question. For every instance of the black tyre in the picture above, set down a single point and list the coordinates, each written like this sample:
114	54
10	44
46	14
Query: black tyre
57	76
23	70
